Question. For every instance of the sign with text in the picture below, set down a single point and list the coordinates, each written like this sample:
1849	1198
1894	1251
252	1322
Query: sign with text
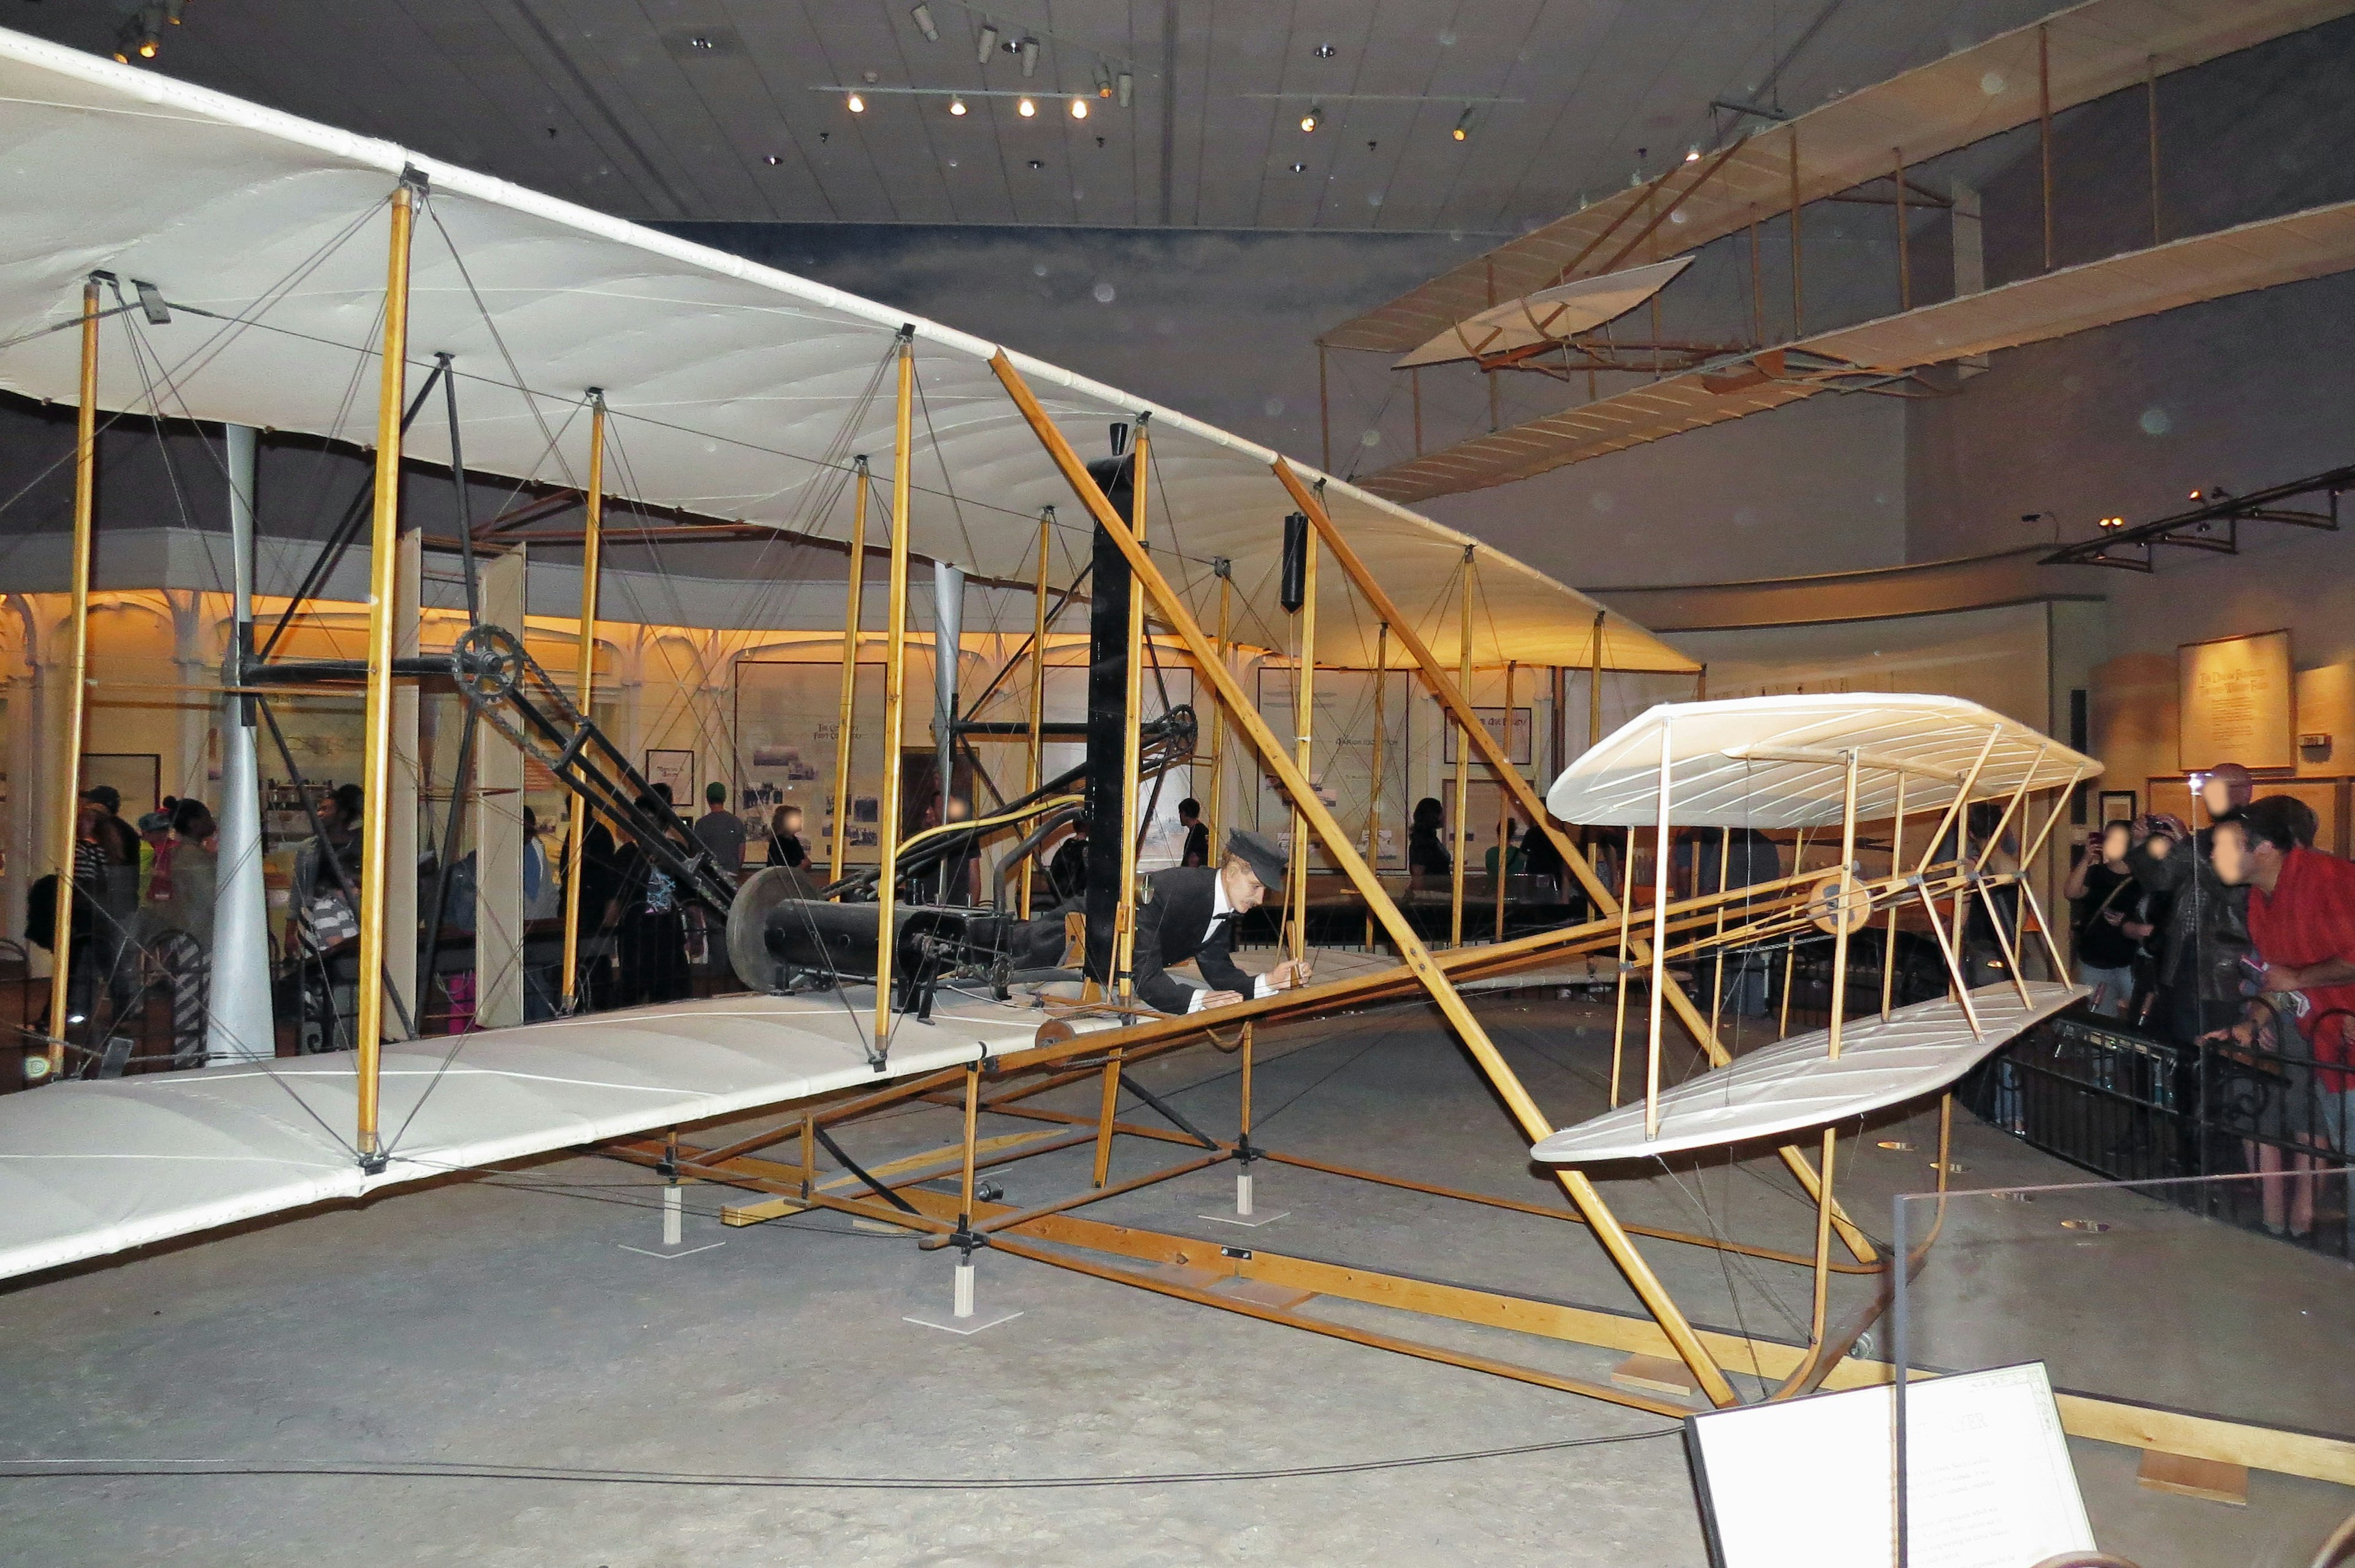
1516	741
2233	703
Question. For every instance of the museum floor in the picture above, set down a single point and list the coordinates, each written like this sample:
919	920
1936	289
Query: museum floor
502	1322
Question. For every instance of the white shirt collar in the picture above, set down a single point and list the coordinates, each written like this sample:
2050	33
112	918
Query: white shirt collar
1219	905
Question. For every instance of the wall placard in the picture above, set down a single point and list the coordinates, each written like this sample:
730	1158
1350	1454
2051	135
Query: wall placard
2233	703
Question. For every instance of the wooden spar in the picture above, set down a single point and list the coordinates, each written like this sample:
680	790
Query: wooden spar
1798	328
1463	753
1954	806
1304	726
1724	864
1215	818
1038	686
1626	915
1848	887
2044	131
1414	384
2027	887
895	693
1454	696
1123	939
1323	410
1896	868
1531	1122
971	1122
1595	689
853	607
1791	948
1504	814
1374	795
1660	842
384	569
1904	251
584	689
85	513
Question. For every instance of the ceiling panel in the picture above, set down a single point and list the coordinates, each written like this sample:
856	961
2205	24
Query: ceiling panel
676	108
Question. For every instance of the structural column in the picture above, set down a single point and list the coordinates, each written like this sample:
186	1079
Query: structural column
584	690
240	1025
68	763
499	828
377	875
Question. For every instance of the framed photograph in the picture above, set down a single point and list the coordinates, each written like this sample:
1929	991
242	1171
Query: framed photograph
675	769
1516	741
2117	805
2234	702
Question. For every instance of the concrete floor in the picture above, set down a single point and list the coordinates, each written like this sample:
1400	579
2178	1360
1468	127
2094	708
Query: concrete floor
500	1323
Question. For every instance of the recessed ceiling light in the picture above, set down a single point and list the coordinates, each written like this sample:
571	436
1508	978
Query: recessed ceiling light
857	104
956	107
1079	108
773	160
1298	168
698	42
1024	108
1325	52
1692	153
1037	164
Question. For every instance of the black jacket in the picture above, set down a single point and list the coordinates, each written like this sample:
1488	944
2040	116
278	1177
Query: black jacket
1174	926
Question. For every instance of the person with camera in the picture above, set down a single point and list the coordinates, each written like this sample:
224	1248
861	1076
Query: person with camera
2106	917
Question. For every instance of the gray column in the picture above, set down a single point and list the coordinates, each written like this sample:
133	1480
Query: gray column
240	1026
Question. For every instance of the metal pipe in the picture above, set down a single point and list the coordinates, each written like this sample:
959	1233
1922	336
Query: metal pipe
585	687
846	721
383	570
948	649
69	765
895	693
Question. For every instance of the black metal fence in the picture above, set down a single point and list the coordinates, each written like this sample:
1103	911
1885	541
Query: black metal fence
2134	1107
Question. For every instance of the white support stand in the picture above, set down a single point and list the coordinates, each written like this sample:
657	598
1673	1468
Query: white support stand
674	1228
962	1318
1244	1214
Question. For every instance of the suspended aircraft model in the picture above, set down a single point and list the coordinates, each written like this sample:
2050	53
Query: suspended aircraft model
1519	331
270	244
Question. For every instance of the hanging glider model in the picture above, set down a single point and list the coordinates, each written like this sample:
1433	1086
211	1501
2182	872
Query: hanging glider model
1548	316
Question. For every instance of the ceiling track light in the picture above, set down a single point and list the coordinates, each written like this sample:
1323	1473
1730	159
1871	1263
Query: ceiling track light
1313	118
1029	52
1079	108
1102	80
1024	108
1126	84
1692	153
987	39
923	16
857	104
1463	132
956	107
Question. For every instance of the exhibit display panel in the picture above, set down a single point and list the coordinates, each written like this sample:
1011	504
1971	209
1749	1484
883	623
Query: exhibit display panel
2197	1364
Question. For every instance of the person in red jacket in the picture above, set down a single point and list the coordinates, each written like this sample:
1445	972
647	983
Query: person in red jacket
2302	925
